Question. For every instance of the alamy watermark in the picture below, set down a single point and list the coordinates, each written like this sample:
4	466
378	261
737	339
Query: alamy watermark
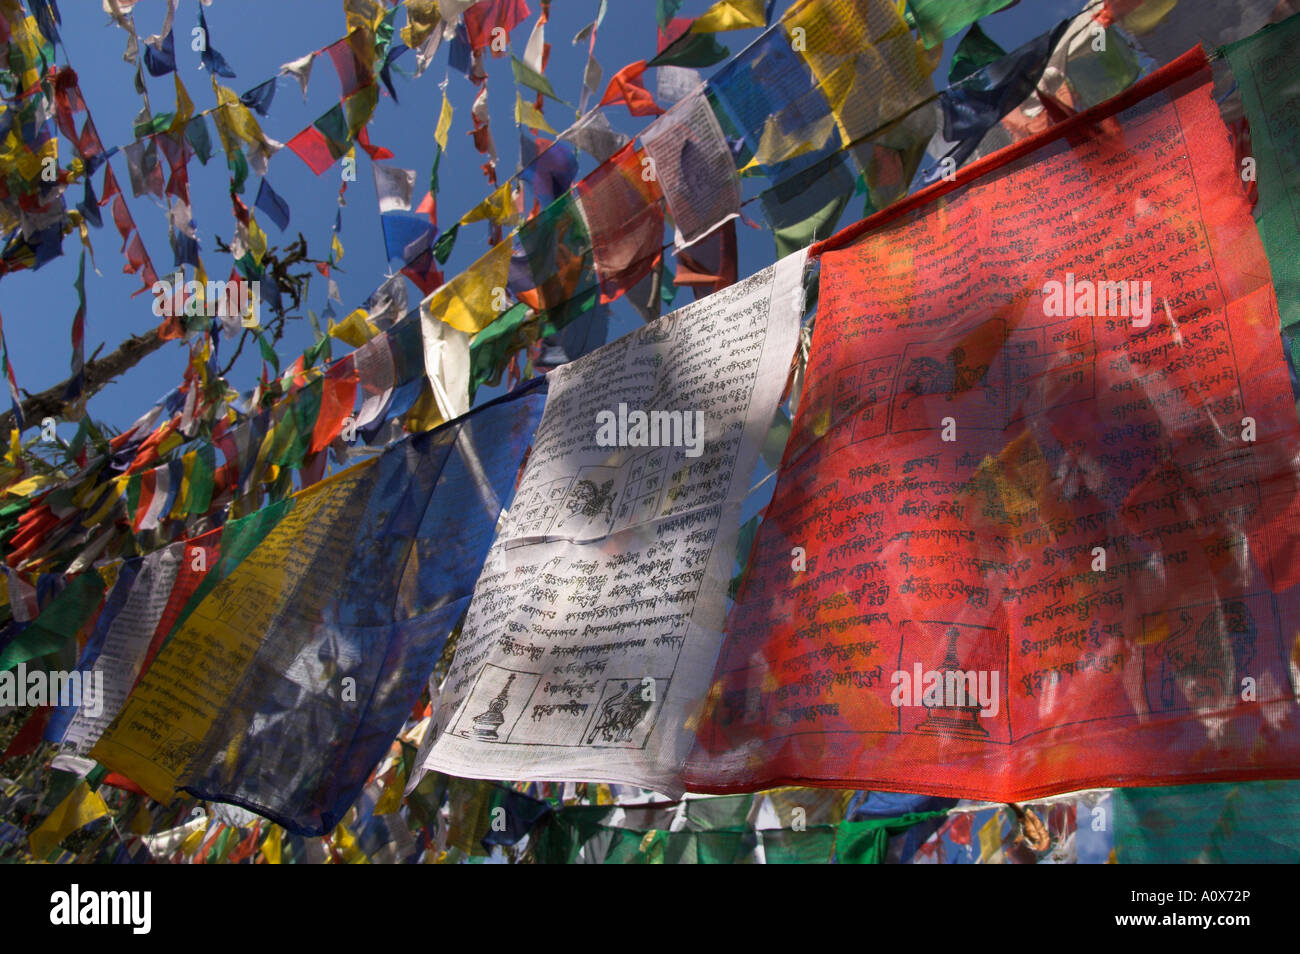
651	429
83	690
77	907
234	299
956	689
1084	297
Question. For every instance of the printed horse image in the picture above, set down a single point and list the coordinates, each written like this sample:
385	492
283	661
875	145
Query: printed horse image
620	714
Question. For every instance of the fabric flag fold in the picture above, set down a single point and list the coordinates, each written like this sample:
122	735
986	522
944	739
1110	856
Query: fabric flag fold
569	670
342	610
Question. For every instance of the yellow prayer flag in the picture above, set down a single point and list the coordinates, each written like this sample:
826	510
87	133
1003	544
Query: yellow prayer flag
192	841
991	837
477	296
1147	16
526	114
182	492
29	486
730	15
79	809
498	208
234	120
444	122
117	489
422	18
777	145
169	443
184	106
346	843
864	57
355	329
391	800
108	573
271	845
152	741
425	414
257	241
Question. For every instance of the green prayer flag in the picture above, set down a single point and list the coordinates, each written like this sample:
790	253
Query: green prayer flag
202	475
333	125
359	107
268	353
196	133
491	347
154	124
665	10
238	166
133	494
936	20
696	50
867	842
975	50
1235	823
58	623
443	246
784	846
433	177
527	76
1263	65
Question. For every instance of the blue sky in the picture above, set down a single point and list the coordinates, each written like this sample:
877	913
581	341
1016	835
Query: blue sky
256	37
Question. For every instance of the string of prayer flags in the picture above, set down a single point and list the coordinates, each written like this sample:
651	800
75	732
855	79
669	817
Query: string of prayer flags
385	556
977	103
81	807
1016	524
591	672
679	45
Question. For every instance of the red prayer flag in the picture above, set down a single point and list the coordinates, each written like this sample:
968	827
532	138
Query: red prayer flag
338	395
312	147
625	217
488	15
1046	457
626	87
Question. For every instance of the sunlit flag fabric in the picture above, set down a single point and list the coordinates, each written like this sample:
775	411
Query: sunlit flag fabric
624	212
1086	501
301	665
589	641
1270	92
